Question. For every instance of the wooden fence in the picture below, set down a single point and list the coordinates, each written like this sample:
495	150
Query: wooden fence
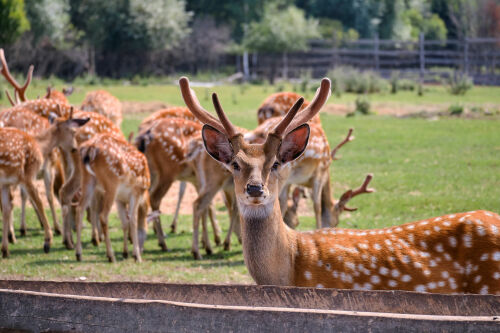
424	59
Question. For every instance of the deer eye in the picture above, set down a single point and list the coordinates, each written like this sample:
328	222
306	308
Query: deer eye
236	166
275	166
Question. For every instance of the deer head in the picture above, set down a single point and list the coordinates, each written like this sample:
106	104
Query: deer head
61	133
255	166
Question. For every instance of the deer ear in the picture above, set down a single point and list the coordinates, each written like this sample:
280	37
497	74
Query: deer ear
78	122
294	144
217	144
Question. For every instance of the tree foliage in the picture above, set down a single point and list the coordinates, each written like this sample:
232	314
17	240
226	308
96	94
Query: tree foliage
281	30
49	19
13	20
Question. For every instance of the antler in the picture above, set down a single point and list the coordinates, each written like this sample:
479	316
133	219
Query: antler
279	130
348	138
348	195
196	109
49	91
322	95
21	90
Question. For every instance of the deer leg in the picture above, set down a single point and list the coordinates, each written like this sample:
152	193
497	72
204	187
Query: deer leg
48	181
316	198
284	195
156	194
122	213
35	198
182	190
327	205
215	224
93	215
204	236
7	216
142	225
230	201
107	203
24	197
132	213
88	189
200	206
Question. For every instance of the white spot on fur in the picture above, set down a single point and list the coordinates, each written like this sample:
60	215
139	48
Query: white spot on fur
307	275
406	278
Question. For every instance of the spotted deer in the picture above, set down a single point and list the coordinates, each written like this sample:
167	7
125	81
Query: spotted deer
181	113
34	124
104	103
278	104
166	145
120	172
59	96
97	124
21	158
456	253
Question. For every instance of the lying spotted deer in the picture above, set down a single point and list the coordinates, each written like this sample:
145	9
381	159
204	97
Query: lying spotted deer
21	158
102	102
120	172
457	253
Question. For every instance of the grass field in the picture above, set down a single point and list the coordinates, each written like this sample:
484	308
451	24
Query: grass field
421	169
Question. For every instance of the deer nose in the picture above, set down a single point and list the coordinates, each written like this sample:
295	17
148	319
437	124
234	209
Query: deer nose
255	190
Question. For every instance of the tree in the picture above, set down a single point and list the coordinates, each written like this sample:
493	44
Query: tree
13	20
281	30
118	27
49	19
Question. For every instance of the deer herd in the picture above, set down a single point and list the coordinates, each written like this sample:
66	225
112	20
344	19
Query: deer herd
88	165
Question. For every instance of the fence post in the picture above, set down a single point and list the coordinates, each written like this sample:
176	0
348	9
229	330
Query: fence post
421	53
376	52
466	55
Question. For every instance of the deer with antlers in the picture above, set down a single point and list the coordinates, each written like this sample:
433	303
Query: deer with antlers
102	102
21	158
457	253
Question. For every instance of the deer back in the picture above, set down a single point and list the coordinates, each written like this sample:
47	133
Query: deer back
278	104
102	102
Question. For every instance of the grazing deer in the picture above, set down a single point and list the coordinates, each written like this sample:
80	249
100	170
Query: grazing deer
34	124
104	103
278	104
166	147
182	113
457	253
21	158
97	124
120	172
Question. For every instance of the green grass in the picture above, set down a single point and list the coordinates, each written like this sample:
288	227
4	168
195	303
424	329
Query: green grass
421	169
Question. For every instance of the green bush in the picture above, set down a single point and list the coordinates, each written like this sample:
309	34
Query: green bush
459	83
305	80
348	79
456	109
363	106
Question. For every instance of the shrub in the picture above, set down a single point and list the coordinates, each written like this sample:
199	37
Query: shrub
459	83
348	79
456	109
362	106
305	80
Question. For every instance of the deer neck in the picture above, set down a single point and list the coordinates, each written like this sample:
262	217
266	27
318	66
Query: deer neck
268	244
45	142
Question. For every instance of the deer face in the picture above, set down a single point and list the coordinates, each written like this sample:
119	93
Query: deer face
255	167
63	132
